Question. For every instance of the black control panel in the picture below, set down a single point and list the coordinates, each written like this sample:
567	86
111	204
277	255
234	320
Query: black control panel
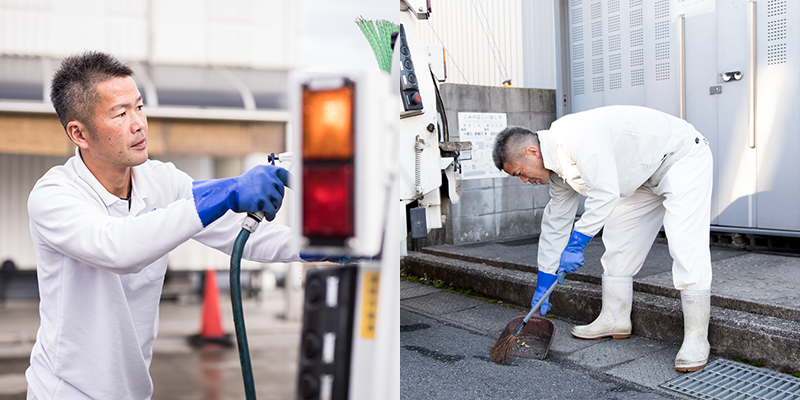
409	86
327	335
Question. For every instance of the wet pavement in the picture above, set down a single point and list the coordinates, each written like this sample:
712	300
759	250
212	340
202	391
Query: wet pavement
446	337
178	370
442	360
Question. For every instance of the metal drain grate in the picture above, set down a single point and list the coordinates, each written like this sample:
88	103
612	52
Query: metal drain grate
724	379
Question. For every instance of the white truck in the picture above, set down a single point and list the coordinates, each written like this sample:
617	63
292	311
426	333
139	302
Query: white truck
423	128
357	151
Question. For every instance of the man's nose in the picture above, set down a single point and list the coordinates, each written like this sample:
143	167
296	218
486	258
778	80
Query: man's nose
524	179
139	121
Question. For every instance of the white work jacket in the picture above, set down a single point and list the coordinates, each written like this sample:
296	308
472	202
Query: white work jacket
604	154
101	267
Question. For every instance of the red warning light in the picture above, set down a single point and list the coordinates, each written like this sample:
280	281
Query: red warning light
328	203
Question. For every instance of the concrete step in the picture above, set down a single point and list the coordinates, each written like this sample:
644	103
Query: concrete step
760	339
757	283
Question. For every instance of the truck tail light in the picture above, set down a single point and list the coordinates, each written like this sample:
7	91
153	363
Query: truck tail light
328	163
328	123
328	202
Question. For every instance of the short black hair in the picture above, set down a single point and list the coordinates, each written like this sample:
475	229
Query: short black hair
73	90
507	143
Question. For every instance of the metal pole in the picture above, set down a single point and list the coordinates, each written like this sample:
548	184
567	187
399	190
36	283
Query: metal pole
681	67
751	66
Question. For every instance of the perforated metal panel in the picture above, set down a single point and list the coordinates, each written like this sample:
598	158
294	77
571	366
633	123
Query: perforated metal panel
724	380
613	7
637	77
579	87
598	83
615	81
577	69
622	52
776	31
615	62
776	8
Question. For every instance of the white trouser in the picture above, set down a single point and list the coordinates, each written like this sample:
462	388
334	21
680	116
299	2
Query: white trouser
682	203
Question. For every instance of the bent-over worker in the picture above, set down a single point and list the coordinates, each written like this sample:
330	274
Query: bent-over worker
103	225
638	168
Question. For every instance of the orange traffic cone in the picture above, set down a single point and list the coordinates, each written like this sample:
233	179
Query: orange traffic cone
211	325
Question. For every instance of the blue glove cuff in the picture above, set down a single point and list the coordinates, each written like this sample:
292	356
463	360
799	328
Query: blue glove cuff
578	240
543	282
212	198
321	257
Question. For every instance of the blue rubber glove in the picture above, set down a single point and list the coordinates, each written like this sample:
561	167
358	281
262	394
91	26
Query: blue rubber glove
572	256
259	189
543	282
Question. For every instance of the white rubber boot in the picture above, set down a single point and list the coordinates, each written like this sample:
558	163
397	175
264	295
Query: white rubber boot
694	352
615	316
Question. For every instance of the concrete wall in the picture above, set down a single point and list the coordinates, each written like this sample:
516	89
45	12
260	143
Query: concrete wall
499	207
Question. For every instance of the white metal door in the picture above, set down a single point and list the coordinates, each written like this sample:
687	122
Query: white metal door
777	125
755	161
716	43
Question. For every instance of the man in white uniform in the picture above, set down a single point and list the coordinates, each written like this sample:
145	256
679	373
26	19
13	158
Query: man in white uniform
638	168
103	225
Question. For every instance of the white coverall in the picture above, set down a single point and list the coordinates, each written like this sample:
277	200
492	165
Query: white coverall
101	269
638	168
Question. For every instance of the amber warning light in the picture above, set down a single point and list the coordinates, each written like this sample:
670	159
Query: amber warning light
328	164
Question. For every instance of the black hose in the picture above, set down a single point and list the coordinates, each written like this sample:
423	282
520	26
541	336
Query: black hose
238	315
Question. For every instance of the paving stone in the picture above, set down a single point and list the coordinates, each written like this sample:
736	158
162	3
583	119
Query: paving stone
642	370
612	352
441	303
409	290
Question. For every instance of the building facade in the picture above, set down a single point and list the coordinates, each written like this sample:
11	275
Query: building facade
213	76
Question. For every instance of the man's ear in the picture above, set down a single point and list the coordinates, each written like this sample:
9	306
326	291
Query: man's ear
533	151
78	133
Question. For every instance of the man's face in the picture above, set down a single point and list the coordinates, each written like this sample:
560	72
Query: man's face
529	167
119	138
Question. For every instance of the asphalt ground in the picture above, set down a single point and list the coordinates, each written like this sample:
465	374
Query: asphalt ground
445	340
441	361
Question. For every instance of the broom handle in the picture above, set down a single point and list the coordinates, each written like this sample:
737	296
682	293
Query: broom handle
539	303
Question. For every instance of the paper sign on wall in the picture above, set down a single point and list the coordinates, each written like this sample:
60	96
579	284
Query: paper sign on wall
480	129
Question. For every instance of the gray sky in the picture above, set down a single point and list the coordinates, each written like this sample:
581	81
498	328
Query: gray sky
331	38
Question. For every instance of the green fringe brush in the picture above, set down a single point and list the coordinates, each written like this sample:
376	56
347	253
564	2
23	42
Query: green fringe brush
379	36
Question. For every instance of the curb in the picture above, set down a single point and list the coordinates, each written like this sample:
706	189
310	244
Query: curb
732	333
731	303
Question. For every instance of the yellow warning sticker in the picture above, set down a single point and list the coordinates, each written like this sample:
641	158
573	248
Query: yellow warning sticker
370	307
